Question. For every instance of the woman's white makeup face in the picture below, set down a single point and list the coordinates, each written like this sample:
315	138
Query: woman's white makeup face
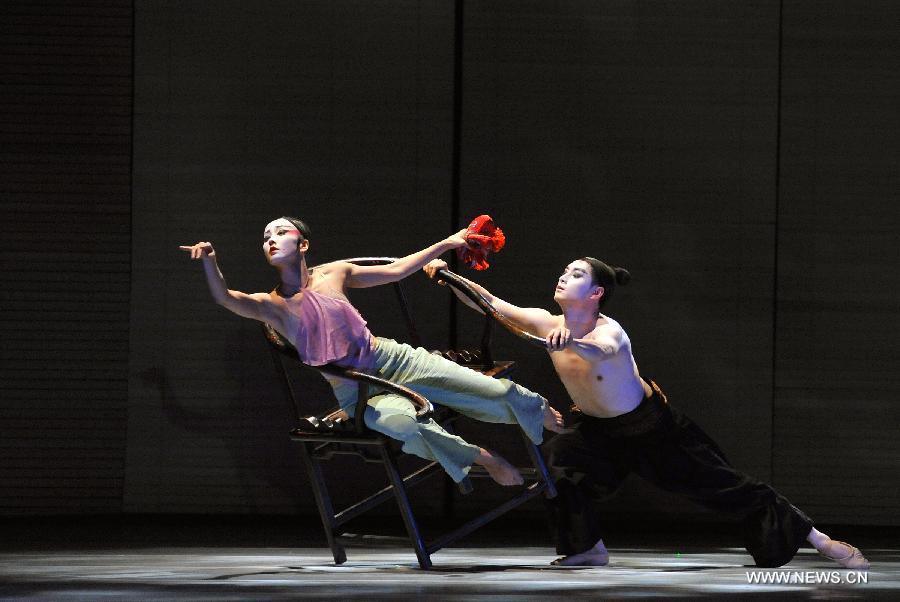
575	282
280	240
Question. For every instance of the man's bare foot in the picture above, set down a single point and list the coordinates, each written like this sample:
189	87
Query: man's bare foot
553	421
841	552
500	470
845	555
596	556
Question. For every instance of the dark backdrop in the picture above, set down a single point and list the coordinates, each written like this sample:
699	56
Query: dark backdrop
738	157
65	254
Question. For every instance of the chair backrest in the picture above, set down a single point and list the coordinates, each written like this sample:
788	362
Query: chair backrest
414	338
491	315
285	355
281	344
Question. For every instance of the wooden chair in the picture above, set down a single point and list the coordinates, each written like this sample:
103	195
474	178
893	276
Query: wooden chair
321	437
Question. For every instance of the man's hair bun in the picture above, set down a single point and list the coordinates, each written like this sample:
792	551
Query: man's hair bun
623	276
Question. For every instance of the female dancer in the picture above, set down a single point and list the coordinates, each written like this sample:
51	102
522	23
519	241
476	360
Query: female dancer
311	310
627	425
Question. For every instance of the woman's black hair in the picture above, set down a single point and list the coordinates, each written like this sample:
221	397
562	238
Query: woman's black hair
300	225
606	276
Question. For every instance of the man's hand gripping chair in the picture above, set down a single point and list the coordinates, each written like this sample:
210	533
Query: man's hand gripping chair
321	437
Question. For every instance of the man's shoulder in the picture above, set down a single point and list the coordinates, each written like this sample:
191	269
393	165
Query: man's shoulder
608	326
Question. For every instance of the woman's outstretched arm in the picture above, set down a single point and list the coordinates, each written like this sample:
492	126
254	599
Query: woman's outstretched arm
257	306
358	276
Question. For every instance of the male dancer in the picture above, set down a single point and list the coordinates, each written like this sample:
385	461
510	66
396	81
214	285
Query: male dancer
628	426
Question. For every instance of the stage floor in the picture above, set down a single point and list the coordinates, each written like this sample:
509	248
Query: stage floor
495	573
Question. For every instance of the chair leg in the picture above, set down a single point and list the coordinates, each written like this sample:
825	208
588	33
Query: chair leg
538	461
412	527
323	501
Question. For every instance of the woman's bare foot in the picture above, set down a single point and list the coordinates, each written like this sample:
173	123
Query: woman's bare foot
842	553
596	556
553	421
500	470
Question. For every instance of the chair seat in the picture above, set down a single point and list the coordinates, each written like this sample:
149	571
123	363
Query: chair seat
338	424
499	369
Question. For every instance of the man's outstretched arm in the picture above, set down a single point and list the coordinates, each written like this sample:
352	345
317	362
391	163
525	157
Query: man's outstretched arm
533	320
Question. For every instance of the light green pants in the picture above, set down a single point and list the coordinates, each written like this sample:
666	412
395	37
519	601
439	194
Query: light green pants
448	384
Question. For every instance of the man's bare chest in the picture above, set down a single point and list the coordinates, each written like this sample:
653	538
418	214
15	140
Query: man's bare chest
573	369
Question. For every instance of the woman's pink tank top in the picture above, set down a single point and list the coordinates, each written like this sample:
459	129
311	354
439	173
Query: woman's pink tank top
332	331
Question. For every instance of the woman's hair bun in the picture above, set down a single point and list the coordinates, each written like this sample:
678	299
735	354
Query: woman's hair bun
623	276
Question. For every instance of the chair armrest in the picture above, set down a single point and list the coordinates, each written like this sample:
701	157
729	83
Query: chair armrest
462	286
424	409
